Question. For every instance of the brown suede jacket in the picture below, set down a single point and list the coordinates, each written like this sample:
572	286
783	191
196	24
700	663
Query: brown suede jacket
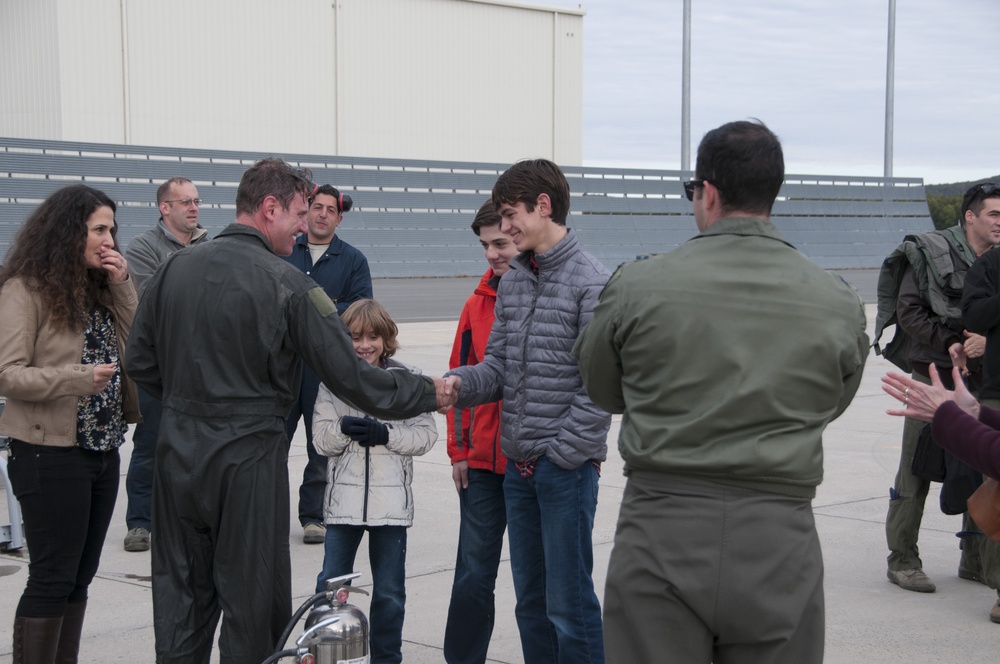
40	371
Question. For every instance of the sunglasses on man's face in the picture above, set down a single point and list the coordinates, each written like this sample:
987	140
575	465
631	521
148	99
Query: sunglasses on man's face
690	186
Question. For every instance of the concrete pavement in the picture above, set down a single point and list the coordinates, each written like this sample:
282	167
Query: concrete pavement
868	619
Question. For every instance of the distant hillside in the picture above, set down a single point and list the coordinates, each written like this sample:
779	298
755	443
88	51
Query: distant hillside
945	200
956	188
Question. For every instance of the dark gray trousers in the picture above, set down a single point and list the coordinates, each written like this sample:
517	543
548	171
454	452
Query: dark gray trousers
221	519
702	572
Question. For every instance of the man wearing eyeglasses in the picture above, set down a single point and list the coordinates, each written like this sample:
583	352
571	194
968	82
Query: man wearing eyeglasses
981	313
728	357
926	275
178	227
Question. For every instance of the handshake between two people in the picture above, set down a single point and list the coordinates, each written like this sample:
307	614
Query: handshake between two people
368	431
447	390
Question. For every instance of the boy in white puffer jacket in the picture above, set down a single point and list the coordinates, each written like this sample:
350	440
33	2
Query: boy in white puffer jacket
368	482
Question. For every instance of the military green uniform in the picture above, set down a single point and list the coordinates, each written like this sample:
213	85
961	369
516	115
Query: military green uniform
727	357
219	337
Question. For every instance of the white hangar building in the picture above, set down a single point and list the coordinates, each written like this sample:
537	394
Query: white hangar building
456	80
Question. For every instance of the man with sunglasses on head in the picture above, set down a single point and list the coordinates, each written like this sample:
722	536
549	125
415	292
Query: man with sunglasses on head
728	357
926	274
981	313
178	227
342	271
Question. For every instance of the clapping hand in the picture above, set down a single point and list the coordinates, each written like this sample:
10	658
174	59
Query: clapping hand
959	359
974	346
921	401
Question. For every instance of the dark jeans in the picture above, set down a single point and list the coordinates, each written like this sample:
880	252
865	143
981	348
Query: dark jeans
67	497
550	521
387	557
480	541
139	481
314	476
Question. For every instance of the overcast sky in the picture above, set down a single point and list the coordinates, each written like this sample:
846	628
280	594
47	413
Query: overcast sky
815	72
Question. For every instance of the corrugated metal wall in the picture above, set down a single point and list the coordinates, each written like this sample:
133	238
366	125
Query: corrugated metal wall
228	74
29	55
567	87
92	76
428	79
411	217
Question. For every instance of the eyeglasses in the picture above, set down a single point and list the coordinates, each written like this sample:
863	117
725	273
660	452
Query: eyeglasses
690	186
186	202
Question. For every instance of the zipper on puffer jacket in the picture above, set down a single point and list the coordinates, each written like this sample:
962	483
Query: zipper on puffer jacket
368	462
522	397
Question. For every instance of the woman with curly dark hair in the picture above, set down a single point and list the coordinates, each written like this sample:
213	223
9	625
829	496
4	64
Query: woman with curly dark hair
66	307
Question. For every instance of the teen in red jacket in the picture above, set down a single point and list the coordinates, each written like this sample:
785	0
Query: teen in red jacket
478	465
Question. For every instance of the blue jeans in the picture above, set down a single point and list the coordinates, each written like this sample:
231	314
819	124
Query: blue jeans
139	481
480	541
314	475
550	520
387	556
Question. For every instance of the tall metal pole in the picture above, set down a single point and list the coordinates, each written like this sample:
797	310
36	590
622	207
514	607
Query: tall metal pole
686	92
126	88
890	68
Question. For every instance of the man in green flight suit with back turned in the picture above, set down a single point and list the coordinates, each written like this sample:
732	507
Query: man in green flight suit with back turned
728	357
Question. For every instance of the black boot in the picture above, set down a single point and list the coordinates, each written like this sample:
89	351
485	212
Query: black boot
69	635
35	640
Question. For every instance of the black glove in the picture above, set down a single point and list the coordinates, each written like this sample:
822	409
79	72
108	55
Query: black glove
365	430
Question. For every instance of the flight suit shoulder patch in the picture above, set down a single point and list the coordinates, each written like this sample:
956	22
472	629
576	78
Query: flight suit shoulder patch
322	302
